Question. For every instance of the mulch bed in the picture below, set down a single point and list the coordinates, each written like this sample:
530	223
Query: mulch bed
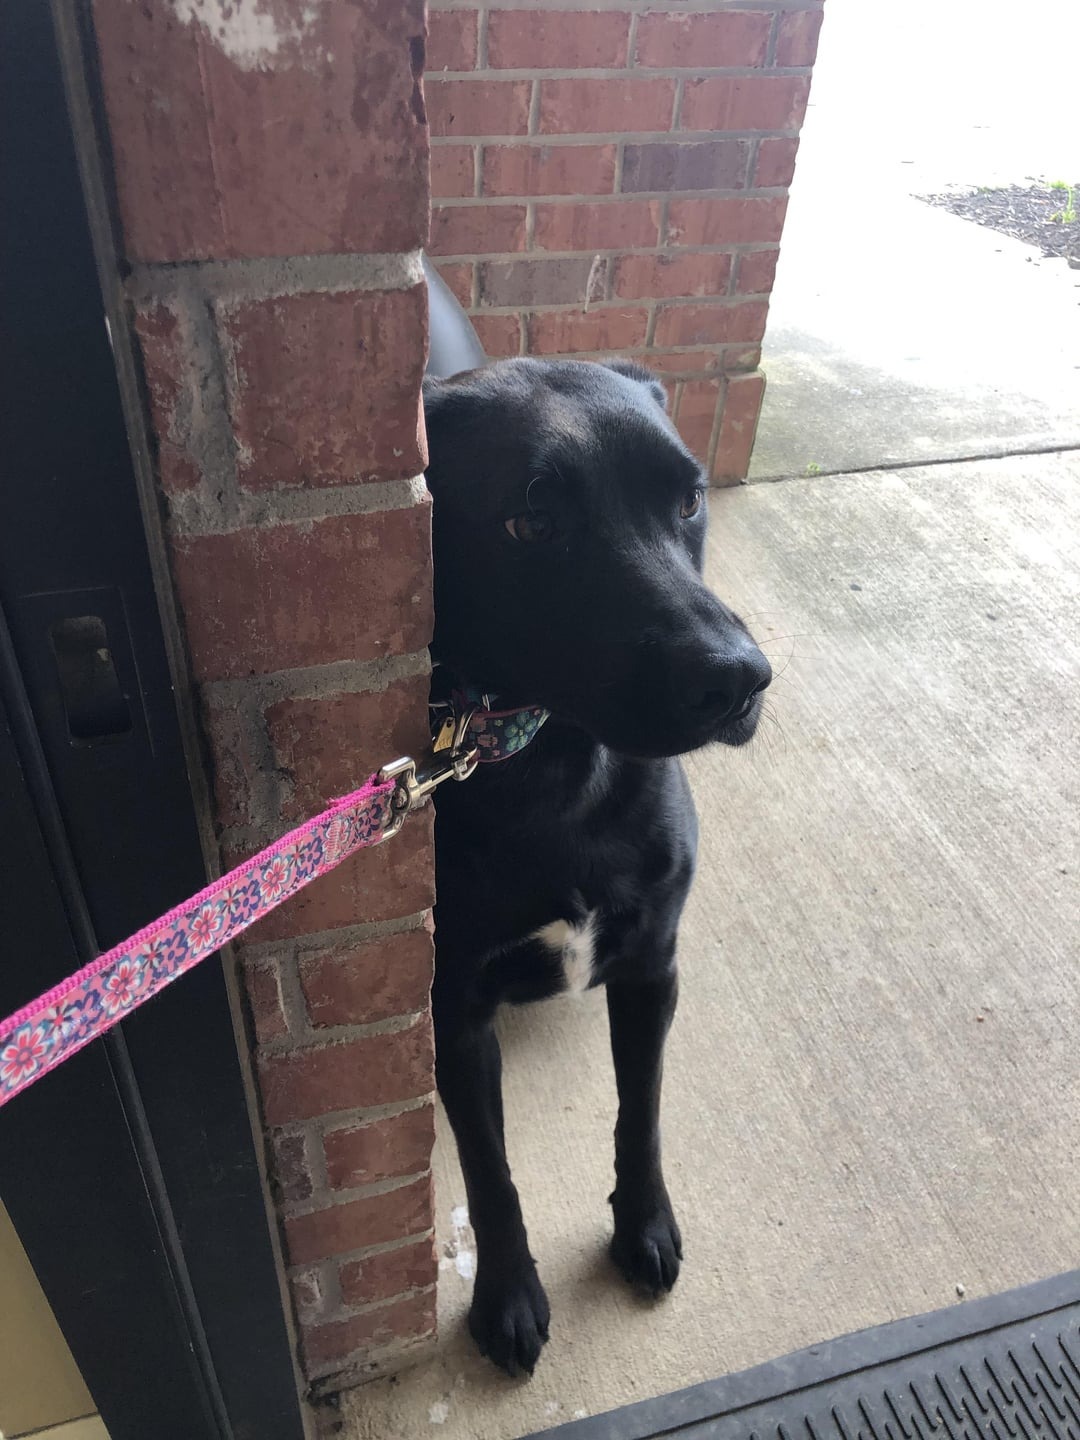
1022	212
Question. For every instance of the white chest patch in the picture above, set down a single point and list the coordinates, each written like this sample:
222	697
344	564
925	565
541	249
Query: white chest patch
576	947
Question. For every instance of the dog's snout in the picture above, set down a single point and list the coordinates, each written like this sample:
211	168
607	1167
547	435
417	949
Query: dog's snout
726	686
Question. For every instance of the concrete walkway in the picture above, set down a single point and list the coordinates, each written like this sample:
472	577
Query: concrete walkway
873	1093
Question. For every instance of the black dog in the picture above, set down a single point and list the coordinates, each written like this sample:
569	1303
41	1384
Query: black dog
569	525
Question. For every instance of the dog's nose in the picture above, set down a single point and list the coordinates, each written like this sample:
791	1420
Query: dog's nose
727	684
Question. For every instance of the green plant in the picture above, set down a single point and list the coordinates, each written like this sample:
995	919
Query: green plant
1067	214
813	468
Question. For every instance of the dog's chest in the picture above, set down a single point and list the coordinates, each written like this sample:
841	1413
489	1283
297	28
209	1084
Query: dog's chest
572	944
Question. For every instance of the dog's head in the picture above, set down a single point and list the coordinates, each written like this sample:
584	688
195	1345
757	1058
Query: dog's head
569	531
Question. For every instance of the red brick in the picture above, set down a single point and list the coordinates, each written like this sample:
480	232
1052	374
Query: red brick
682	362
362	984
380	883
478	107
745	102
710	324
324	389
262	983
572	107
797	37
757	271
477	229
776	162
315	146
644	277
289	1169
740	357
697	414
348	587
372	1070
382	1150
601	330
755	220
406	1320
500	335
371	1220
725	37
379	1277
451	40
537	282
597	227
548	169
232	741
172	391
742	406
452	170
459	278
557	40
329	746
710	165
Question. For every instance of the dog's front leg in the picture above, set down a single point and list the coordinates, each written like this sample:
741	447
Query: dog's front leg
509	1314
647	1246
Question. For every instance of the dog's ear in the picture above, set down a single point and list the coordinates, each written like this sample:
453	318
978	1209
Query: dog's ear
642	376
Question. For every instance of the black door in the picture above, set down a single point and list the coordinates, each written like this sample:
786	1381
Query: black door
131	1172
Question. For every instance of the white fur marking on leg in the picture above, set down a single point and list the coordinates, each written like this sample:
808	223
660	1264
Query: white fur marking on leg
576	947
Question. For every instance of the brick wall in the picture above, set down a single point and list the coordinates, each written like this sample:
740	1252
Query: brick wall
271	184
613	178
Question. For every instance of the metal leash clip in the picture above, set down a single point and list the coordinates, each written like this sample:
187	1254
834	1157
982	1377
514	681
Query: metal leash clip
451	758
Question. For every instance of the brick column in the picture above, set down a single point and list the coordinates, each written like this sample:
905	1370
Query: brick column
615	180
270	166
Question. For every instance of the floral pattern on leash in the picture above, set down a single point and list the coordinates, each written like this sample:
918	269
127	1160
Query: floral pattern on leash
41	1035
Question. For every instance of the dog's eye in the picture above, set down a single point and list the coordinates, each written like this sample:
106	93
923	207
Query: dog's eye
533	527
691	503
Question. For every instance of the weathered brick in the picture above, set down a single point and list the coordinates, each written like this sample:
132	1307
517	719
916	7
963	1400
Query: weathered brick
642	277
451	40
597	227
555	332
324	389
738	426
710	324
382	1276
535	282
697	414
797	37
348	587
500	335
477	229
745	102
459	277
372	1070
168	358
371	1220
407	1320
329	746
684	362
712	165
307	1294
737	358
262	985
452	170
734	221
380	883
776	161
616	106
724	37
756	273
478	107
364	983
289	1168
549	169
381	1150
557	39
312	141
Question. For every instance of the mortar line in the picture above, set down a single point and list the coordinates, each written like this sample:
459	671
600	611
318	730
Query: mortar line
1067	447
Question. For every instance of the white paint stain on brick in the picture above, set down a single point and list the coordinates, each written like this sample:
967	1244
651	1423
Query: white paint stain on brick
248	31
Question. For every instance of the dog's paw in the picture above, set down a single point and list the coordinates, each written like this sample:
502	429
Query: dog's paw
647	1248
509	1319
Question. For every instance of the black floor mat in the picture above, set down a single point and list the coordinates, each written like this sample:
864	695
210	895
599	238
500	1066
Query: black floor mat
1007	1367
